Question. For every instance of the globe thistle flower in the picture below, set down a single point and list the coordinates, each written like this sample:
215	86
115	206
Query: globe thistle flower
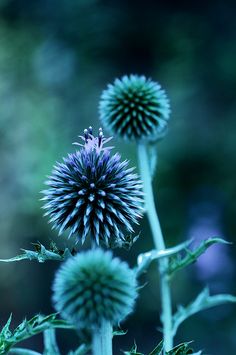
135	108
94	193
92	287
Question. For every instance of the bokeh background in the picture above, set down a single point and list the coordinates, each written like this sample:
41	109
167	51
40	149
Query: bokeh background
56	56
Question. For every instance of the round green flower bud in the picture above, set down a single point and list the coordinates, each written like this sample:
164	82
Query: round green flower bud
92	287
135	108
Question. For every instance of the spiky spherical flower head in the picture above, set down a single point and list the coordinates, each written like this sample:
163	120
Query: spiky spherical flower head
92	287
135	108
94	193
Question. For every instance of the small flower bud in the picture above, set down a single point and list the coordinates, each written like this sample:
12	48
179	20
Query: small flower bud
92	287
135	108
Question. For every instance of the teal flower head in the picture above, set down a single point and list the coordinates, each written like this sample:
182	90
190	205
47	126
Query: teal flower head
92	287
135	108
93	192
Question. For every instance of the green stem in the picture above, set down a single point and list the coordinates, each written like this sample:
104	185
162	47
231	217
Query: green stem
159	245
102	339
50	343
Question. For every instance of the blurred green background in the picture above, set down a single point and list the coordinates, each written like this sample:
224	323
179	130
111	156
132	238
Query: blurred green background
56	56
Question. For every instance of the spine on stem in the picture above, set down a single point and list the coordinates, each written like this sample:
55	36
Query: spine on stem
159	245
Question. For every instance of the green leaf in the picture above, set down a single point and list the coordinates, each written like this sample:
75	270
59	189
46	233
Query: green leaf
158	349
82	350
202	301
119	332
133	351
15	258
27	329
182	349
130	239
6	333
144	260
22	351
41	254
179	262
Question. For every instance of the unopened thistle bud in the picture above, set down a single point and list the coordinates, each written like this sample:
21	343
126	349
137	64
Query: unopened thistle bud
92	287
135	108
94	193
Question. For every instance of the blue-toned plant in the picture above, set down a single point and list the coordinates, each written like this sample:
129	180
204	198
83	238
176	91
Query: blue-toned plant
95	196
95	291
94	192
136	108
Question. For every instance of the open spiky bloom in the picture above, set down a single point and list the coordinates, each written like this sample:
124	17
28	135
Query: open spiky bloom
94	192
135	108
92	287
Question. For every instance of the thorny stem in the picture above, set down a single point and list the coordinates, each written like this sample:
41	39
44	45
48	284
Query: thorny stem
159	244
102	339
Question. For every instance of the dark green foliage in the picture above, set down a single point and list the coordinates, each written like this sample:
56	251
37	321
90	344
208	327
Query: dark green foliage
203	301
27	329
92	287
133	351
179	262
135	108
41	254
145	259
181	349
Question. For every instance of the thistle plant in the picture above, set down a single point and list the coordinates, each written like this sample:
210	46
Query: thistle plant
135	108
95	291
93	193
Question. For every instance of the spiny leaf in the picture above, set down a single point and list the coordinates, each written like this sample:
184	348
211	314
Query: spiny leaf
82	350
41	254
6	333
22	351
202	301
119	332
158	349
27	329
144	260
133	351
15	258
130	240
179	262
182	349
